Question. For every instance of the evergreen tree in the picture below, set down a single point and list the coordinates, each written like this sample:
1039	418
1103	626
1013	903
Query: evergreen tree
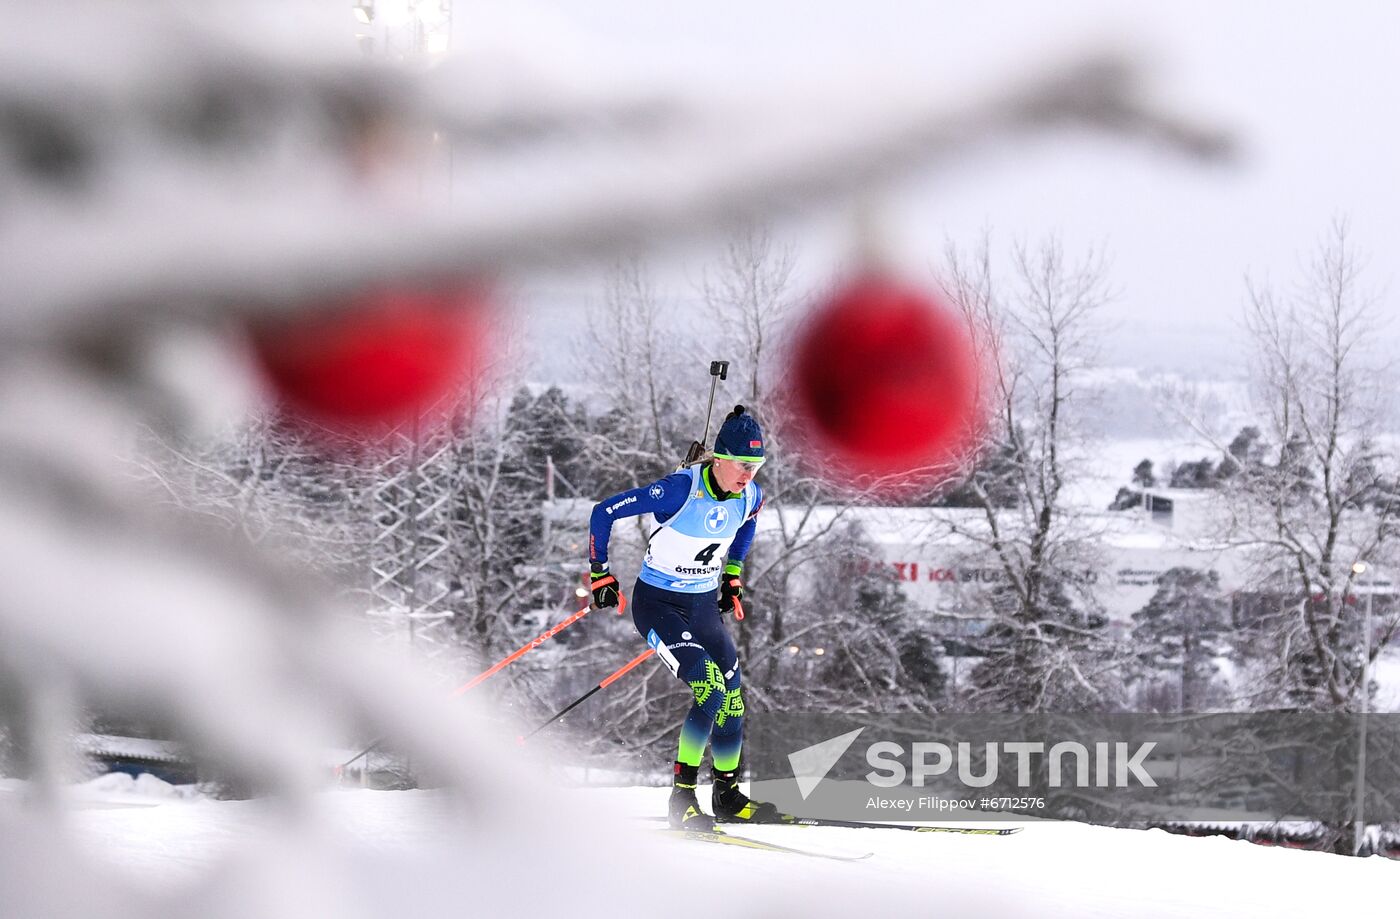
1246	451
1126	499
1142	474
1039	656
1181	631
550	430
1200	474
995	475
877	650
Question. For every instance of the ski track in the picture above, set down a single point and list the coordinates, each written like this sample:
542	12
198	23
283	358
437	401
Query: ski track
1050	870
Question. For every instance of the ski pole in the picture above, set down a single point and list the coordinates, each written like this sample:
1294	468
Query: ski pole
531	645
606	681
504	662
719	370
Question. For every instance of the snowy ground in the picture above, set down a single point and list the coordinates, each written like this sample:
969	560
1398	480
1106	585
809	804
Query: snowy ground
1387	676
1049	870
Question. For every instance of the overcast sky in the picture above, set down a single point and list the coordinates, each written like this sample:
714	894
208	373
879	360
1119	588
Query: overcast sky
1312	90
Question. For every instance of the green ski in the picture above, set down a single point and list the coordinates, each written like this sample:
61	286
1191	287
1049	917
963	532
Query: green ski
720	837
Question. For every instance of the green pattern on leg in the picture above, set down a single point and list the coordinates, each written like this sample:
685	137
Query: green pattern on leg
712	683
733	706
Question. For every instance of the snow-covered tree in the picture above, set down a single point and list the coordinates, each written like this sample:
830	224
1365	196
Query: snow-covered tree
1180	633
751	297
860	644
1315	492
1034	331
640	355
271	483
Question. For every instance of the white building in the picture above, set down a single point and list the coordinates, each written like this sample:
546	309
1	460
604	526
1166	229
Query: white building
943	573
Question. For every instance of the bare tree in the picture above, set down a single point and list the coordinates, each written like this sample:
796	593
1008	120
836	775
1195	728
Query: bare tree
494	522
270	483
1321	496
752	297
641	348
1034	334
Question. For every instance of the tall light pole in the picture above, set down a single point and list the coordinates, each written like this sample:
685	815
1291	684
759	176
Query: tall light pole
1359	569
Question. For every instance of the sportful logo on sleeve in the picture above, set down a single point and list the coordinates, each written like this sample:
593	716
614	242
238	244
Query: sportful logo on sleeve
630	499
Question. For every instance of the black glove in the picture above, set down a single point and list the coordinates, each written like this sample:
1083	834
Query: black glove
731	589
604	587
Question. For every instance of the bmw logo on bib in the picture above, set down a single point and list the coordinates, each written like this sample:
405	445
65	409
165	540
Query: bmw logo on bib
716	519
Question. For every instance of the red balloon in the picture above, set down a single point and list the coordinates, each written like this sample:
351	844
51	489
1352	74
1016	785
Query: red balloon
383	357
883	379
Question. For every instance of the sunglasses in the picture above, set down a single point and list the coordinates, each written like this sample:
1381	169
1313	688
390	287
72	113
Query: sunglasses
751	466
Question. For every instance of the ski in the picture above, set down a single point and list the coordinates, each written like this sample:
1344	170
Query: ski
720	837
790	820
